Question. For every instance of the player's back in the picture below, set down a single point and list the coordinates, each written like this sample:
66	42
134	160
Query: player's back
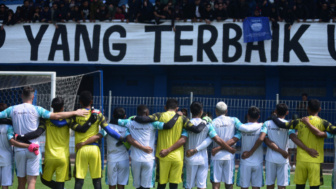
57	141
311	141
116	153
280	137
167	138
225	129
145	135
195	139
5	147
93	130
247	142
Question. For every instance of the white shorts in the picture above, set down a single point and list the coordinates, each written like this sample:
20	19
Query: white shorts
195	175
27	163
117	173
250	175
6	175
280	172
222	171
143	174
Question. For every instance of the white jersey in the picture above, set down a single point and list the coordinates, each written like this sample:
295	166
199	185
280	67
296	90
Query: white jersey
280	137
26	118
5	147
225	127
248	140
195	139
116	153
145	135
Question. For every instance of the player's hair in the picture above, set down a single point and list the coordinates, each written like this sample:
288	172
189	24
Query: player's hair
281	109
171	103
27	92
253	112
3	107
304	94
119	113
196	108
221	108
314	105
85	98
57	103
184	110
142	109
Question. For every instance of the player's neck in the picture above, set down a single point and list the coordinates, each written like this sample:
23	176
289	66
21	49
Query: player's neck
195	117
28	101
281	117
171	110
87	107
313	114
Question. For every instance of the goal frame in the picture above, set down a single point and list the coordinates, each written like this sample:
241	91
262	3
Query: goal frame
36	73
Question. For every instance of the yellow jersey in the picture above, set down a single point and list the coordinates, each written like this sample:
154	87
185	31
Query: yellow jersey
167	138
309	139
93	130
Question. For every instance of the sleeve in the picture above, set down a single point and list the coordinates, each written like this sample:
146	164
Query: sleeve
330	135
238	134
184	133
34	134
148	119
244	128
211	131
102	132
10	132
43	112
108	129
191	127
124	122
329	127
204	144
286	125
263	128
127	132
6	113
157	125
291	131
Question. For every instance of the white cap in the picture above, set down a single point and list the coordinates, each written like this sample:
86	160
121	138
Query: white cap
221	106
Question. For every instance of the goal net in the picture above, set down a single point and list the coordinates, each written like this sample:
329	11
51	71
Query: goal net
46	85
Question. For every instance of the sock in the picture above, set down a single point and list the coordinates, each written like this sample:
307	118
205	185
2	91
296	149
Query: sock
300	186
314	187
161	186
59	185
96	183
173	186
79	183
50	184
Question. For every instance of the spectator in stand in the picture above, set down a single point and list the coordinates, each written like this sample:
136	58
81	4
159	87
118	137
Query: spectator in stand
9	19
133	10
256	13
124	9
301	11
178	14
332	9
209	15
146	12
26	11
102	13
289	17
94	9
3	11
167	10
274	17
36	15
45	15
266	8
158	12
282	7
63	11
55	14
324	14
76	15
119	14
220	12
240	10
197	10
85	9
187	8
111	11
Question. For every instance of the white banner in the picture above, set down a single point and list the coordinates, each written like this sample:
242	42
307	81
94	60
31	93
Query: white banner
220	43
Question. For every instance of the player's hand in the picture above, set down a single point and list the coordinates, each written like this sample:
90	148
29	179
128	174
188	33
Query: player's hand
164	153
147	149
232	150
305	120
207	119
313	153
284	154
191	152
214	151
179	113
246	154
79	145
81	112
